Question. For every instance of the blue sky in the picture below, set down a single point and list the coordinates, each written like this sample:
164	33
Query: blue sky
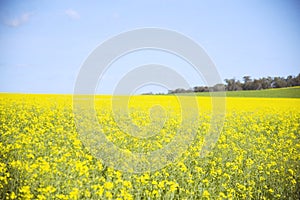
44	43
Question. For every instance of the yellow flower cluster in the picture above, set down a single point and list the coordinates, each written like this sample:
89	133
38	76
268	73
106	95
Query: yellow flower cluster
257	155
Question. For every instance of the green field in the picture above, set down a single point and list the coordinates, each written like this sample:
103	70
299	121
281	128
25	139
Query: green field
291	92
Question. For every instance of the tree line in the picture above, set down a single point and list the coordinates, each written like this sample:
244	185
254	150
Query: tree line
247	84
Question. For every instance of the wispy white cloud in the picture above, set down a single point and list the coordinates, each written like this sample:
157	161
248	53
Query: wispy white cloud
72	14
18	21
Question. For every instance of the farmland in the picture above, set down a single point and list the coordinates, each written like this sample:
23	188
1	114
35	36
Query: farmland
289	92
257	155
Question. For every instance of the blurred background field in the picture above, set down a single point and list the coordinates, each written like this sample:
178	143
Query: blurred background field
290	92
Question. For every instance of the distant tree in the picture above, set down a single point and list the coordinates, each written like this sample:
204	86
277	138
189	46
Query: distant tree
233	85
279	82
297	80
147	93
219	87
229	84
170	91
247	83
190	90
289	81
256	84
247	79
201	89
266	82
238	85
179	90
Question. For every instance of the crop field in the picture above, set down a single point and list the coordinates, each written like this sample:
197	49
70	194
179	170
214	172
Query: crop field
256	156
289	92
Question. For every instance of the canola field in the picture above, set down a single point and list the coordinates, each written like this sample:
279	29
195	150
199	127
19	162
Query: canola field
256	156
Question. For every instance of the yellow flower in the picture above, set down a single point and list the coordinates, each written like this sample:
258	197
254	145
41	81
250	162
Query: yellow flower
127	184
61	196
87	194
74	194
100	191
154	183
155	193
26	193
205	194
41	197
182	166
205	182
108	194
13	195
291	172
108	185
173	186
222	195
41	148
